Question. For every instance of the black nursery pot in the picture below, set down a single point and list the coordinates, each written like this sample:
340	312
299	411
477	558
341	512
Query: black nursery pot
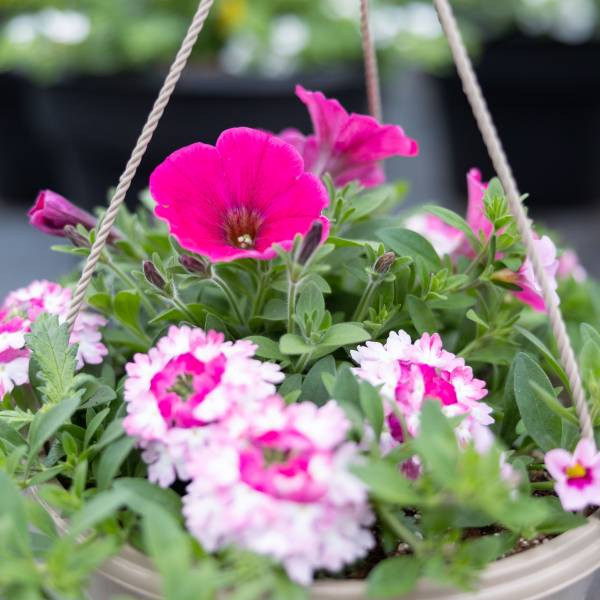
95	121
23	168
545	99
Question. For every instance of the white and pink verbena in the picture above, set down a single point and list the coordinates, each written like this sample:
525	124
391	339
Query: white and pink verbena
17	313
409	373
177	391
276	480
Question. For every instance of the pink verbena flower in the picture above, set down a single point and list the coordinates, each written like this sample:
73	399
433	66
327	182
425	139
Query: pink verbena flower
347	146
282	487
21	308
188	382
409	373
569	266
577	475
238	198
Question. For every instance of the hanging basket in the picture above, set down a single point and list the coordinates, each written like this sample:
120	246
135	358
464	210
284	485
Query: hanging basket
560	568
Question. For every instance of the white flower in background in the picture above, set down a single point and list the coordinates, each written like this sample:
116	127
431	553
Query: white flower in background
421	20
415	19
289	35
21	30
64	26
343	9
239	53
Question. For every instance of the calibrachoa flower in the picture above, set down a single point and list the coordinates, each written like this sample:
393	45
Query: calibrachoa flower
347	146
577	475
278	483
409	373
191	380
569	266
21	308
238	198
51	213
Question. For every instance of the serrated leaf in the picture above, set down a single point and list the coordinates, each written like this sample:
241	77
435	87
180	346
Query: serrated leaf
56	359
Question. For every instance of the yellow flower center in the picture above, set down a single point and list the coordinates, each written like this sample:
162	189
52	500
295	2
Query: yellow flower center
577	471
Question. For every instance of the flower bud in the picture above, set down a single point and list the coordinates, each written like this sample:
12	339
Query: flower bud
153	276
384	263
78	240
197	266
311	242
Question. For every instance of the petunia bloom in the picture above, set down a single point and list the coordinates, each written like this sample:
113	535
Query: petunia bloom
577	475
409	373
21	308
569	266
280	485
347	146
191	380
51	213
445	239
238	198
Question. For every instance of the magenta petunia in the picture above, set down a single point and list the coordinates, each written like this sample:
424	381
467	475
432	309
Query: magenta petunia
238	198
347	146
577	475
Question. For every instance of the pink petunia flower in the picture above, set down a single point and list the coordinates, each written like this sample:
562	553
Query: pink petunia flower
282	487
446	240
20	309
347	146
238	198
569	266
409	373
191	380
577	475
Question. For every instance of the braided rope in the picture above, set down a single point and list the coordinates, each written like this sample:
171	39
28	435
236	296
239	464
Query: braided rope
494	146
370	56
136	158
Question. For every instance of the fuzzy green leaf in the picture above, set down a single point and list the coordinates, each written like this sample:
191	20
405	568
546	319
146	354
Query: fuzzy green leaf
393	577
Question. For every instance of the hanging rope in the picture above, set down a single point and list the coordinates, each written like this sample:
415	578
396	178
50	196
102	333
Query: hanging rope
500	162
136	158
370	56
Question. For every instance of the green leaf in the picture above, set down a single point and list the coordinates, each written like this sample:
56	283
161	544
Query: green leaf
393	577
546	353
372	405
47	422
454	220
313	388
290	343
267	348
588	333
113	432
141	492
405	242
541	423
111	460
344	334
421	315
510	408
101	507
49	344
94	425
127	309
386	483
311	304
15	540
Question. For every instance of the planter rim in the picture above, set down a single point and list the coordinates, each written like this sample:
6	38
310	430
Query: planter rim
530	575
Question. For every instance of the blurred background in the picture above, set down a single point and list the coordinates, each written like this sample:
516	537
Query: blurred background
78	77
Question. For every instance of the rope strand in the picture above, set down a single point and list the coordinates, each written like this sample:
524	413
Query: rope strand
136	158
494	146
371	69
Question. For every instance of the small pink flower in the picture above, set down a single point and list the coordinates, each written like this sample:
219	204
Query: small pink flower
347	146
187	383
569	266
531	291
20	309
409	373
238	198
446	240
577	475
476	217
282	487
51	213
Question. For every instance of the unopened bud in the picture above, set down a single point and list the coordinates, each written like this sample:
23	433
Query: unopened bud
78	240
197	266
311	242
385	262
153	276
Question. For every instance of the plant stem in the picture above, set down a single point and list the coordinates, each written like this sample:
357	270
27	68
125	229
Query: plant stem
130	282
365	300
291	303
400	529
303	361
182	307
261	290
222	284
542	485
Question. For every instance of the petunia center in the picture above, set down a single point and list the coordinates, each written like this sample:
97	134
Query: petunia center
241	226
578	476
182	385
282	465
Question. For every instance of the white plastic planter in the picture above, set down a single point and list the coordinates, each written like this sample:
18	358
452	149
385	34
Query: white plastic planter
560	569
